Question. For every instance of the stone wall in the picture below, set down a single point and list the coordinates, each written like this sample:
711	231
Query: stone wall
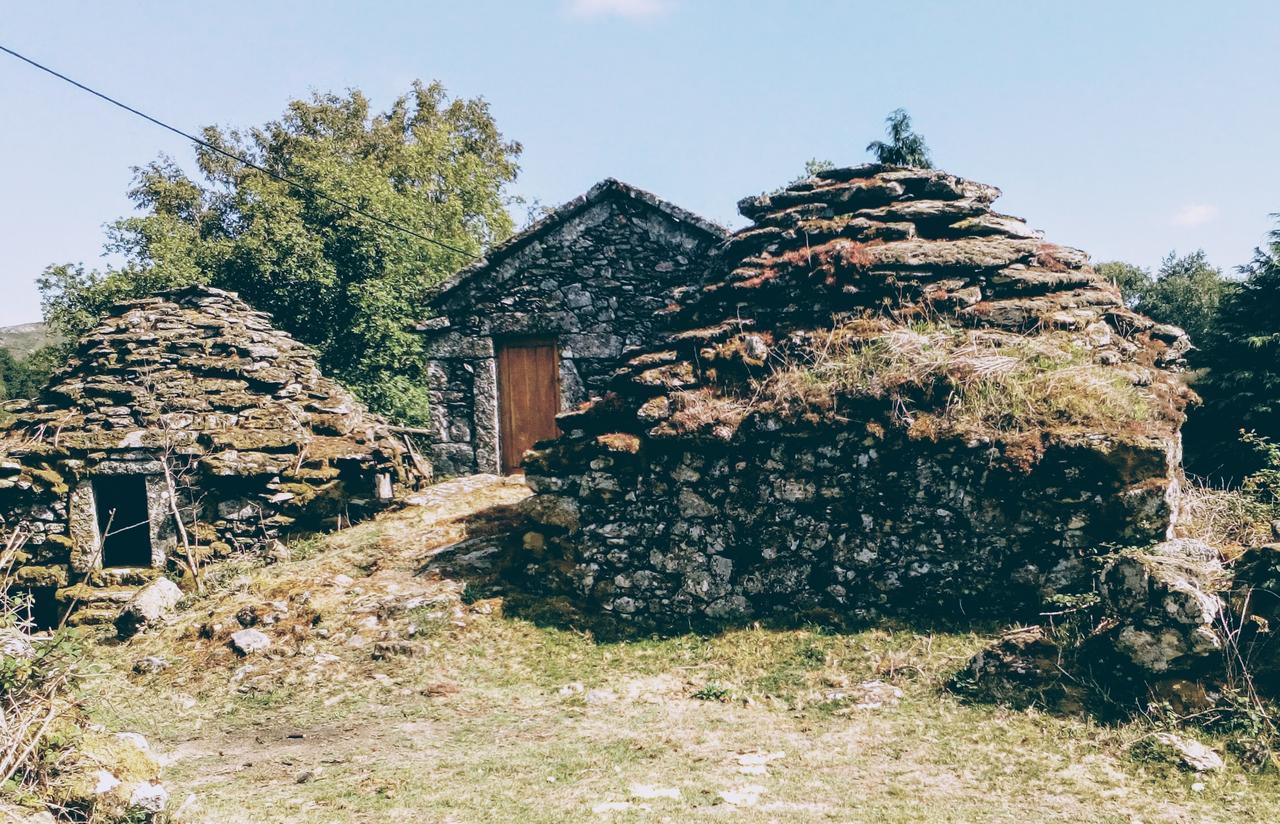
594	275
786	521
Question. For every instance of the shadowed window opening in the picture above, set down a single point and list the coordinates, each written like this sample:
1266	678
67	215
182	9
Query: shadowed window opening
121	501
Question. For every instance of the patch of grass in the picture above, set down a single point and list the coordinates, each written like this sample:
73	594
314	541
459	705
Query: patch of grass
502	718
966	380
1225	518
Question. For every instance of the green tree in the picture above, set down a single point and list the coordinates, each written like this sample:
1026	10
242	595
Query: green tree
1133	281
1241	385
905	147
334	279
1185	291
34	370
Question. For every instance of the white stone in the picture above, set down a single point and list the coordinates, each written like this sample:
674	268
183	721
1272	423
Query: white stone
747	795
1190	753
104	782
15	644
149	798
249	641
152	604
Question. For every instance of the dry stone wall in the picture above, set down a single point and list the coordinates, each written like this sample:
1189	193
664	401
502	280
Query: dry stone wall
786	522
691	491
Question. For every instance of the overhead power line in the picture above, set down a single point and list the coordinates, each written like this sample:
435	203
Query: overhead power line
237	158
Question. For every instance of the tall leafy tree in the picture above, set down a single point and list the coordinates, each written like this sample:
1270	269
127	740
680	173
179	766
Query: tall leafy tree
347	285
905	147
1188	292
1133	281
1241	386
1185	291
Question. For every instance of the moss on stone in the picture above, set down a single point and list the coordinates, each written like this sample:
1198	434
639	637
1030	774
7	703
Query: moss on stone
50	477
40	576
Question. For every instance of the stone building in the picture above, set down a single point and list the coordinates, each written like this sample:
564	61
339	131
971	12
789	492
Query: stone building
184	426
886	398
537	326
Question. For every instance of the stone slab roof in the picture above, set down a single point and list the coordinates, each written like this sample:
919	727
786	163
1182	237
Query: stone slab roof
553	220
896	246
198	370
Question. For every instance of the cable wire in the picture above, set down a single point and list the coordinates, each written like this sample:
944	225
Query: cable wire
238	159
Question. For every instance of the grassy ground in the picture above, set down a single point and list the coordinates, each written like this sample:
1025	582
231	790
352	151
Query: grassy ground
399	695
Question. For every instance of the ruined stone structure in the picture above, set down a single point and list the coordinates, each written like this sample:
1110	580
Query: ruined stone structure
887	399
561	301
183	426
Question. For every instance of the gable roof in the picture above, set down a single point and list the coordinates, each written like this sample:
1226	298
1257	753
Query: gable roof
554	219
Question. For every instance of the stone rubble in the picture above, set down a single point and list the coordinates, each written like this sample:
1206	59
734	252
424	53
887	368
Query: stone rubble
154	603
1186	752
247	642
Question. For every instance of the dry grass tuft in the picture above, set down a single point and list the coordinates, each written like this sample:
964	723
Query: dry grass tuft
972	381
706	411
1226	518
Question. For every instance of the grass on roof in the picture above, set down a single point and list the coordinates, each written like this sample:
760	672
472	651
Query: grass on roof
963	380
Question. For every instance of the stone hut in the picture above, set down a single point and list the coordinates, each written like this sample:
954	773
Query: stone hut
183	426
537	326
888	398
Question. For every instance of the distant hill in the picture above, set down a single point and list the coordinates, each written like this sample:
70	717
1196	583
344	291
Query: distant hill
25	338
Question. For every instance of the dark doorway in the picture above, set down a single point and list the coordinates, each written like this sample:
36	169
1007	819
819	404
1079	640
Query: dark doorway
121	501
528	396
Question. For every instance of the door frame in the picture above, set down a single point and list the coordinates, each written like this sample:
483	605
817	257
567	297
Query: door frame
501	344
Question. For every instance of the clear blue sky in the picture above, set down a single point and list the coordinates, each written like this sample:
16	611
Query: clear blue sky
1124	128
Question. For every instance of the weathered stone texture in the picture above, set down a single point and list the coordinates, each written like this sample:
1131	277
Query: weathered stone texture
256	441
695	498
784	521
593	275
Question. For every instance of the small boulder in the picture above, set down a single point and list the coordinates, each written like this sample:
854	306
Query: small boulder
148	798
1021	668
1166	604
150	664
1185	752
249	641
152	604
15	643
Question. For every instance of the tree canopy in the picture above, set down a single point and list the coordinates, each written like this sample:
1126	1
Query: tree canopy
1185	291
1241	385
905	147
336	280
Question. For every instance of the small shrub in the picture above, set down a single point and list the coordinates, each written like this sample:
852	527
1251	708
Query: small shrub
1264	485
713	691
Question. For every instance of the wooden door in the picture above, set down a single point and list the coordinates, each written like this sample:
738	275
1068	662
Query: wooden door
528	396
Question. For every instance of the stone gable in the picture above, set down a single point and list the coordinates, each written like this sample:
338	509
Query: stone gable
592	276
